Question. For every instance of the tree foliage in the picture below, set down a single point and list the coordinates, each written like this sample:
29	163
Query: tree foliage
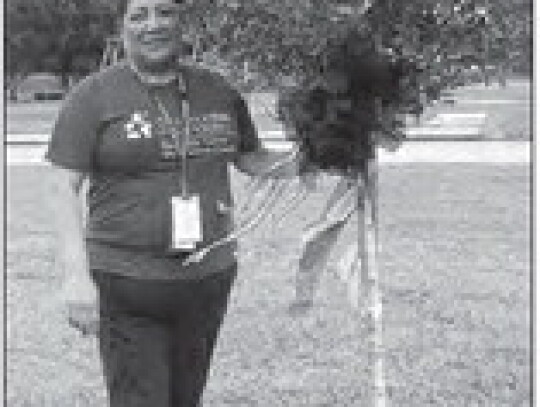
59	36
282	40
396	58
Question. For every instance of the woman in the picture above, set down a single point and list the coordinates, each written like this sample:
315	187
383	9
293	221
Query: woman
153	139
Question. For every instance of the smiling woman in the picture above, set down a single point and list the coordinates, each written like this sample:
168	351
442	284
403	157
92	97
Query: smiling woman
154	139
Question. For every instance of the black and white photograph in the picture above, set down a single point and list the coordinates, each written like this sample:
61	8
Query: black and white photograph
257	203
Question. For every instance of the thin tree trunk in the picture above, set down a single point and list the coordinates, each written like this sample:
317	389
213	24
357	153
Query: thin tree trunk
371	308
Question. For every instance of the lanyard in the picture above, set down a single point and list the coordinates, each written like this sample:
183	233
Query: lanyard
180	147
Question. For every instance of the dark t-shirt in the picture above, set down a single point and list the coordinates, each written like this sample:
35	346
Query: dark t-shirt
112	128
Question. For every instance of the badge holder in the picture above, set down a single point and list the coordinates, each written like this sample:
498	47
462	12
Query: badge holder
186	223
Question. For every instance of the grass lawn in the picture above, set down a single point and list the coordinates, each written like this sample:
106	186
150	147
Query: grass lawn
455	280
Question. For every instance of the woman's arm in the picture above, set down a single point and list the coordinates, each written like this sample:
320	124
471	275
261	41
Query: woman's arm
79	292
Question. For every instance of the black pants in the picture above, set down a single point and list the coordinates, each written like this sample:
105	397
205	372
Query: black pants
157	337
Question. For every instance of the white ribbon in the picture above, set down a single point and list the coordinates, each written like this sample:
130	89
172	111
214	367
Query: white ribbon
275	189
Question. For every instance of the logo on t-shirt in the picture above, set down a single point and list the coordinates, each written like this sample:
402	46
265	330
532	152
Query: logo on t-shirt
139	126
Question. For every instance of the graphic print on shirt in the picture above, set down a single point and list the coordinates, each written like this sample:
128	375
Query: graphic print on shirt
209	134
212	133
127	141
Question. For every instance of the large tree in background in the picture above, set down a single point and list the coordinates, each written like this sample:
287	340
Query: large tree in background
281	38
278	40
61	36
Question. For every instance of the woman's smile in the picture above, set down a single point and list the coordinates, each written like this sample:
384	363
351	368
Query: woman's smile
155	40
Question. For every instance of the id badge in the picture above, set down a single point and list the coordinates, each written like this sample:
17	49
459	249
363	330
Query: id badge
186	222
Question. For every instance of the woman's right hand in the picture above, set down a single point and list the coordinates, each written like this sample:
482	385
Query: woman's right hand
83	317
80	298
79	293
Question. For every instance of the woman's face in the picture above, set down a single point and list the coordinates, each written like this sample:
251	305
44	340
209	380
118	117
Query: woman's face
152	31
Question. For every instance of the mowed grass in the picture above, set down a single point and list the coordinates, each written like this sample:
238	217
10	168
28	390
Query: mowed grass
455	282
